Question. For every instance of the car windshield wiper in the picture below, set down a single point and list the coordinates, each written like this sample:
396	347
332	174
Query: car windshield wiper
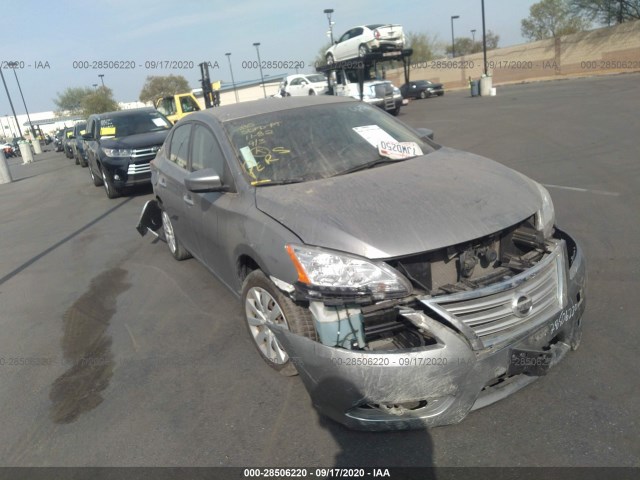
287	181
365	166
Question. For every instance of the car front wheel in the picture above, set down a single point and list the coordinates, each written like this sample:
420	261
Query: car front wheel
110	189
363	50
330	59
174	244
423	94
264	304
97	181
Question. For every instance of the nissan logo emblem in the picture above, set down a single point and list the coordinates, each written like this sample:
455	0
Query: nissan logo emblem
522	305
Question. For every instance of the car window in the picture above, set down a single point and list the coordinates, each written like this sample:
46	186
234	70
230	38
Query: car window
317	142
345	36
316	78
188	104
205	151
178	152
133	123
356	32
296	81
166	106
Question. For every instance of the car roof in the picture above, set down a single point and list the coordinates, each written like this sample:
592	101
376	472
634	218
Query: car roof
120	113
269	105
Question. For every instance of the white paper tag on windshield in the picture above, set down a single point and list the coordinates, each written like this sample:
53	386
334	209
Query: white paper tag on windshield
249	159
399	150
159	122
373	134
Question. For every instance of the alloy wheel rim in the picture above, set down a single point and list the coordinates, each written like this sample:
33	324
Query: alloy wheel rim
262	309
168	232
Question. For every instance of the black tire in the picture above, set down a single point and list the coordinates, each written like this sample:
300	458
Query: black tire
83	162
363	50
330	59
173	242
109	187
97	180
295	318
423	94
312	92
395	111
75	155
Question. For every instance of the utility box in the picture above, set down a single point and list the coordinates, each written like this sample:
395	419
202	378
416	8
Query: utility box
486	84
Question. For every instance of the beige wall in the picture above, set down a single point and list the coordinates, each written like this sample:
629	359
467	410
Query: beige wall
605	50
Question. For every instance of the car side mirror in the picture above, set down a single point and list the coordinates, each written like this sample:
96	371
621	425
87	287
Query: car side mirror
87	136
425	132
205	180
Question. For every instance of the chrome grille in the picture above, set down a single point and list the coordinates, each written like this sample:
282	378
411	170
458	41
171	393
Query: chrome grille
135	168
490	314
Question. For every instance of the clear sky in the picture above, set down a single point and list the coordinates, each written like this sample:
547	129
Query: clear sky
135	32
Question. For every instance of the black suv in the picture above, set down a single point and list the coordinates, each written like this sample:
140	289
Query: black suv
120	145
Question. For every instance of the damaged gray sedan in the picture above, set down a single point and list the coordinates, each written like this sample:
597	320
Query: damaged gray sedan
405	282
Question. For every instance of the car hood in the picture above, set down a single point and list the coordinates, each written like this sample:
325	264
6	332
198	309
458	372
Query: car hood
141	140
426	203
433	85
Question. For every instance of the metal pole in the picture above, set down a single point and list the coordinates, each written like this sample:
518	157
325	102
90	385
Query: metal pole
329	11
235	91
484	40
264	90
453	42
33	132
473	35
11	103
101	75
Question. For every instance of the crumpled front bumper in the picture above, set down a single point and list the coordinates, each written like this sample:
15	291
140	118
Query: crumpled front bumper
436	384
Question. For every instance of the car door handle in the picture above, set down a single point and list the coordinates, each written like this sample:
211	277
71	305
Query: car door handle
162	182
188	200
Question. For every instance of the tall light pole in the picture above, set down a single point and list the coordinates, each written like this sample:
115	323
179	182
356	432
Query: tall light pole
95	87
453	42
264	90
484	41
101	75
11	103
473	35
232	80
329	11
14	65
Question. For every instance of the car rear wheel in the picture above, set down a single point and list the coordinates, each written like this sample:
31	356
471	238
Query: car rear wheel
174	244
312	92
423	94
265	304
110	189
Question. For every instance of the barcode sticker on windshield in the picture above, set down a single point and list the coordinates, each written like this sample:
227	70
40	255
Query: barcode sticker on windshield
399	150
374	135
249	159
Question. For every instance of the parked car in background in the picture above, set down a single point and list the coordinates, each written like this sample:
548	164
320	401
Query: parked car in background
58	141
303	84
381	93
407	283
66	145
77	143
359	41
422	89
120	145
8	150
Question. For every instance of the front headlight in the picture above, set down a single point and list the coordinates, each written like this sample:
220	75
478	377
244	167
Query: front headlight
546	216
117	152
342	273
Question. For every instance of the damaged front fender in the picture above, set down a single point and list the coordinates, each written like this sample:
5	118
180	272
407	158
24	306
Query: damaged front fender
150	219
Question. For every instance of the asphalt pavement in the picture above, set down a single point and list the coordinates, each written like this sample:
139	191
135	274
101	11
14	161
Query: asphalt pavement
114	354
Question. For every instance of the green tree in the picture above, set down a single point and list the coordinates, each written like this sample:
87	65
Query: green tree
425	47
99	101
466	46
158	86
550	19
606	12
320	59
70	101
